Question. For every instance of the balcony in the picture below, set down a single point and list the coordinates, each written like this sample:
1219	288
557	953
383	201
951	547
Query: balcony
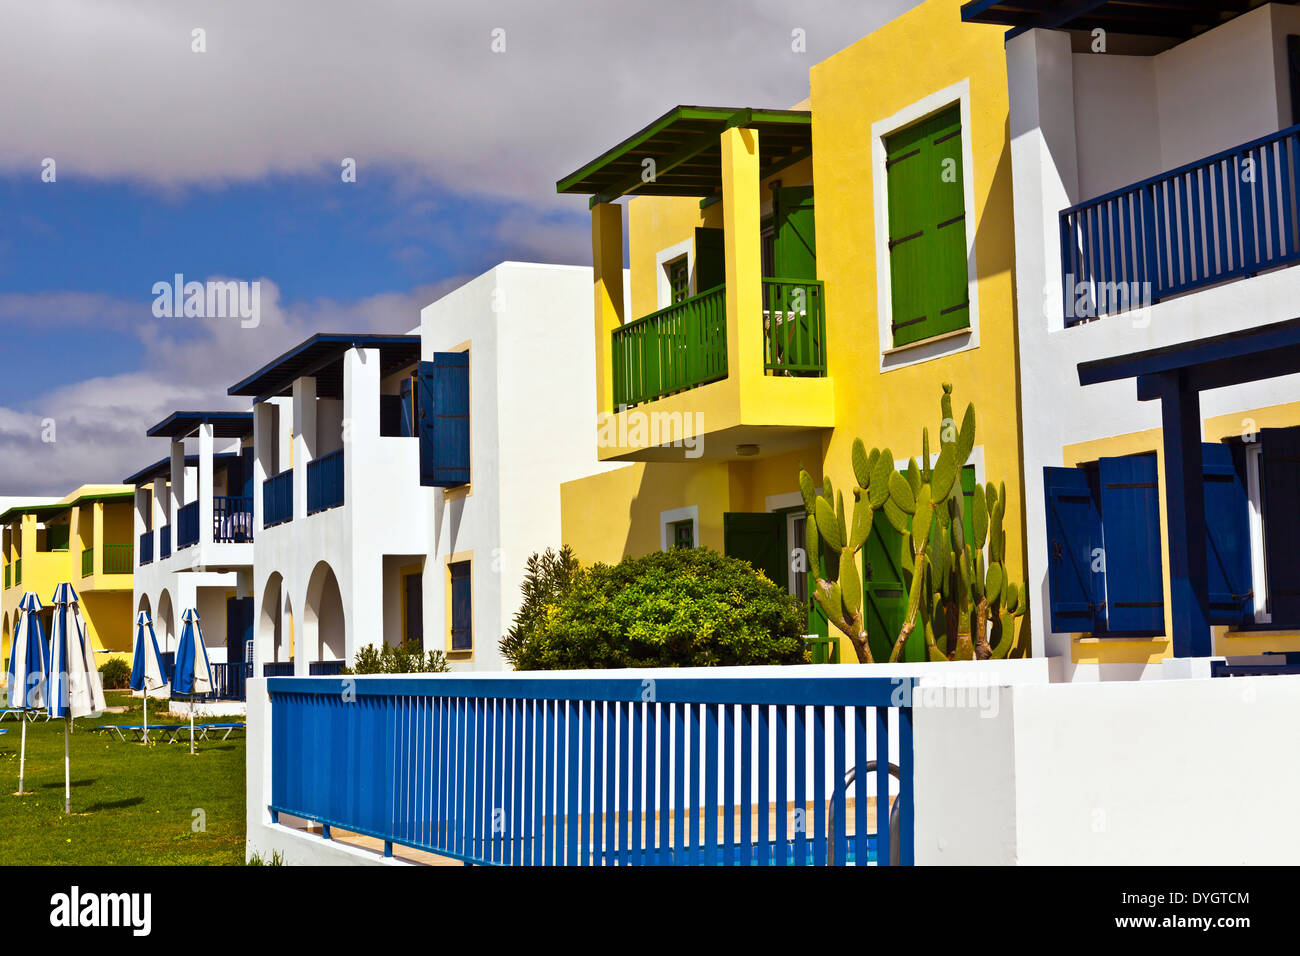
277	499
232	519
325	482
165	542
87	562
1225	217
146	548
117	560
187	526
680	347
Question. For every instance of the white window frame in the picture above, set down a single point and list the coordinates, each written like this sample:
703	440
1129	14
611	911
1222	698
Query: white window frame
669	518
792	499
1258	554
949	343
664	288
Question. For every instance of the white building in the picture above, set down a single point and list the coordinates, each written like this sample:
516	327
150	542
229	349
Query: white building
400	482
1157	227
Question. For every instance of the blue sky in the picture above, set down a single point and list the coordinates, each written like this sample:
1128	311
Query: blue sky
224	163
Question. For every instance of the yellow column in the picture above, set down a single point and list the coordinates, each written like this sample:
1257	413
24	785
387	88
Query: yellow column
97	542
607	273
743	249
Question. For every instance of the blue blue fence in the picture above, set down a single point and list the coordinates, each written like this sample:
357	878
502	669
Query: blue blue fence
324	668
187	525
325	482
599	770
146	548
277	499
1222	217
277	669
229	680
165	541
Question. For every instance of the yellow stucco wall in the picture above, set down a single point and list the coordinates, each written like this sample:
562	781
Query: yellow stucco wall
1086	649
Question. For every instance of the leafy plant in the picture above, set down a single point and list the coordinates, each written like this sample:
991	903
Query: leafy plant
679	608
409	657
548	577
115	673
951	593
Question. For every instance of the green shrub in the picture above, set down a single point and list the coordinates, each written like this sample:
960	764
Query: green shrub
687	607
408	658
115	673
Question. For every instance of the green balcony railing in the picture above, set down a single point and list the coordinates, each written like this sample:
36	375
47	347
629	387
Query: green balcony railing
794	327
117	559
680	347
87	562
8	575
18	572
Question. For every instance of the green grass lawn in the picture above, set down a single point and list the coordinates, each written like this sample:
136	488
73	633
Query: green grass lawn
130	804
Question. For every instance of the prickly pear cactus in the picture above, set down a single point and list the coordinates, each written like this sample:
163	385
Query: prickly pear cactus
964	604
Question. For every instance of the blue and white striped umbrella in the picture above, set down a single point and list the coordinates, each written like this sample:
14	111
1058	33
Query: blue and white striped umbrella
75	689
29	665
192	674
29	657
147	675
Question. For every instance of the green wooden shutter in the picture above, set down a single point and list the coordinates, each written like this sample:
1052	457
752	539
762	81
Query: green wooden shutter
927	228
795	251
759	538
710	259
886	587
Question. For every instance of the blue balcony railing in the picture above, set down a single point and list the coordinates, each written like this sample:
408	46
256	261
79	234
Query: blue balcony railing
325	482
228	680
584	770
146	548
324	668
187	526
165	541
277	499
1223	217
277	669
232	519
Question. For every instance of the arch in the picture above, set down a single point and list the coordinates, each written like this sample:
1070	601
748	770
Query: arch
145	606
270	632
323	627
5	646
164	623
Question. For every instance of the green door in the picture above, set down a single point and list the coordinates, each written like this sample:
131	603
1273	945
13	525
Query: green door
759	538
795	253
886	588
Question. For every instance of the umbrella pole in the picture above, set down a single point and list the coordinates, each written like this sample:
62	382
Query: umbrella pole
67	773
144	738
22	757
191	727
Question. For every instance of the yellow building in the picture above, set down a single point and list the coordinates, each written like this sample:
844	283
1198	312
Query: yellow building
800	278
84	539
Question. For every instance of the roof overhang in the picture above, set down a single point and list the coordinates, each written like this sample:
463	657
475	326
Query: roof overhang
1219	361
162	468
321	357
179	425
1159	18
686	148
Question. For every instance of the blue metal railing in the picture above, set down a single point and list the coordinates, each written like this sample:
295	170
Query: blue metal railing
187	525
325	482
594	770
229	680
232	519
165	541
146	548
277	669
168	659
324	668
1222	217
277	499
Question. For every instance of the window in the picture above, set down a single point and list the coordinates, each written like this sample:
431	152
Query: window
683	533
927	228
679	279
462	608
413	607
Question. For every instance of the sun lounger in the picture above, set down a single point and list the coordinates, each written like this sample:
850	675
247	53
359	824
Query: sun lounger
137	731
18	714
218	729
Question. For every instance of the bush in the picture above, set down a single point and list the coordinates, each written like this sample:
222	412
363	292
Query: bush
687	607
409	658
115	673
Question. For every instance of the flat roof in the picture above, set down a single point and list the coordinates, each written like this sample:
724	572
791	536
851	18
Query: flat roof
162	468
84	493
184	424
685	145
1158	18
322	356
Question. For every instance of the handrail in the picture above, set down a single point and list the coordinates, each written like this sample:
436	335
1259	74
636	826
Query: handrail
277	499
895	844
325	477
794	327
676	348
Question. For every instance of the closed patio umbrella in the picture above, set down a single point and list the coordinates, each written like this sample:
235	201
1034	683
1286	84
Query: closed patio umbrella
75	689
192	674
29	664
147	674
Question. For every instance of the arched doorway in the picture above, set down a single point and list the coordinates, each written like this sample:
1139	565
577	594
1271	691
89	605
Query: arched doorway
164	623
323	631
272	634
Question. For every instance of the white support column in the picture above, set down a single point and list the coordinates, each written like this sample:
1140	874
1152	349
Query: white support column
364	578
177	499
264	443
304	440
140	520
205	485
160	511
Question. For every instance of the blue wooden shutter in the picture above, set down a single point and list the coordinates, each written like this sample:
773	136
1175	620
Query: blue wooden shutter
1073	535
1130	509
444	420
1280	467
1227	532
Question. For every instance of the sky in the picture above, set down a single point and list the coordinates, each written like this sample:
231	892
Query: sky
130	156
